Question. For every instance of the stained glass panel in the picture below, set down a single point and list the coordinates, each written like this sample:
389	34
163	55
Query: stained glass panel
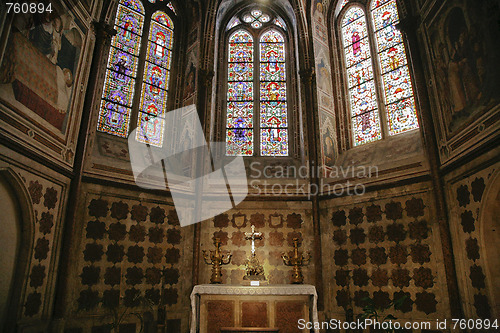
354	31
234	22
279	22
240	91
356	52
398	90
272	36
129	20
362	93
274	142
363	98
274	52
387	37
392	58
240	52
119	83
385	15
163	19
134	4
273	91
118	88
153	96
240	36
126	41
239	115
366	128
172	8
150	129
113	119
272	71
239	119
360	73
402	116
273	114
352	15
160	35
240	71
156	77
122	62
397	85
239	142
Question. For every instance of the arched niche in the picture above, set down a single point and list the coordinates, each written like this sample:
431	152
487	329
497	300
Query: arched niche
16	237
490	240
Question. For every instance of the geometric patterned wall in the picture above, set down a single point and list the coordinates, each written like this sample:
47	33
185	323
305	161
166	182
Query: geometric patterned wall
278	223
126	244
466	197
384	249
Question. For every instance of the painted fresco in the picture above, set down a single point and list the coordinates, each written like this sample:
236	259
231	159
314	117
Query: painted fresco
465	56
38	72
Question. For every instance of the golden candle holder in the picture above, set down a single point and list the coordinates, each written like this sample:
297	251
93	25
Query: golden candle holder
296	261
216	259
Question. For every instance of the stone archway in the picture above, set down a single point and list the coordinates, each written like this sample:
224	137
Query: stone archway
16	235
490	239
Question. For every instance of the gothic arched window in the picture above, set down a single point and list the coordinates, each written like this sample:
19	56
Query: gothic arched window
381	98
124	91
256	114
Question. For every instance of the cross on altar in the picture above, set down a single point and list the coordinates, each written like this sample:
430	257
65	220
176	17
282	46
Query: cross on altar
253	236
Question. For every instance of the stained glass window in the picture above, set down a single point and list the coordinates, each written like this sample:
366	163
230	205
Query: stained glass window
390	58
118	92
121	75
257	120
398	90
155	80
240	101
273	105
362	94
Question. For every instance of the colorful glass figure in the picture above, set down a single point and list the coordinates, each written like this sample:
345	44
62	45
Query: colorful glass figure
118	92
273	105
398	88
240	107
154	92
363	100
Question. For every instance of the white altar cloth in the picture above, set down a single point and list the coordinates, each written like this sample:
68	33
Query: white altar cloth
270	290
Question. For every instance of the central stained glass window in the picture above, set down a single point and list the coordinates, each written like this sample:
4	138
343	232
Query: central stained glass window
256	121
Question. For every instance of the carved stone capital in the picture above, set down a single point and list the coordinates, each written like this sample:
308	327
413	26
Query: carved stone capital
206	76
308	75
103	32
408	24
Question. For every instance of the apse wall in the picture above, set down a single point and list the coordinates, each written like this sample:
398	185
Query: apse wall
386	245
125	240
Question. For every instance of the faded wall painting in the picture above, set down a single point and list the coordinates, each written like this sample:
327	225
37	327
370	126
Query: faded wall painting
38	71
466	54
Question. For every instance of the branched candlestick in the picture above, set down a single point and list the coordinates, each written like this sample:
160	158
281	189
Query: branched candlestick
216	259
296	261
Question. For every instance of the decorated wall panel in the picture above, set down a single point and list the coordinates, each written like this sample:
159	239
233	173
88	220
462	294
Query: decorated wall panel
462	58
385	247
472	209
279	223
133	256
43	77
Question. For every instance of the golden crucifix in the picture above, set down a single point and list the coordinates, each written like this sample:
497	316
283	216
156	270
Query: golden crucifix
253	236
254	270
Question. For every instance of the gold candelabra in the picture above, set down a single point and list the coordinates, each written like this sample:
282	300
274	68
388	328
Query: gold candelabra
216	259
296	261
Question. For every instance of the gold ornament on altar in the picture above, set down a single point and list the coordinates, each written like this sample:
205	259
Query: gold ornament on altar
216	259
296	261
254	270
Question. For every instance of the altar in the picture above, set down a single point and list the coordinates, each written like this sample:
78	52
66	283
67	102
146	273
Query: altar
272	306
